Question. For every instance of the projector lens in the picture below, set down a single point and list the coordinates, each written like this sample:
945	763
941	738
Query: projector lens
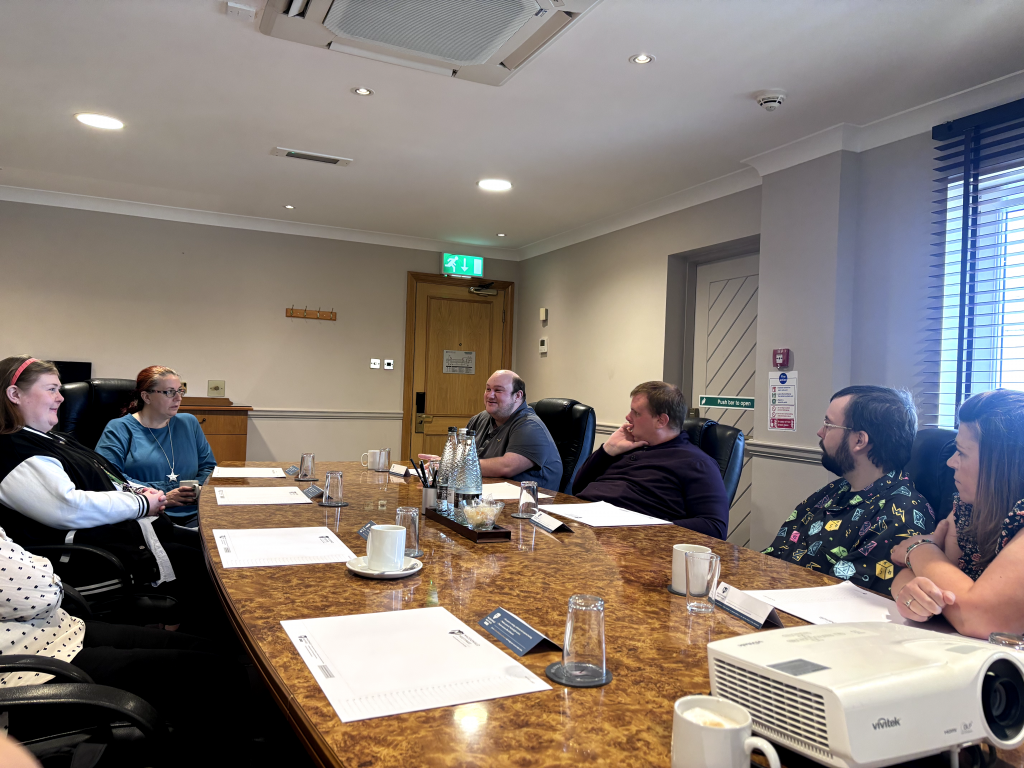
1002	699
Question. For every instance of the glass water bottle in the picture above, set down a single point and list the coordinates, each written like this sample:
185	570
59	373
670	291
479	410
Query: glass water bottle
468	483
444	471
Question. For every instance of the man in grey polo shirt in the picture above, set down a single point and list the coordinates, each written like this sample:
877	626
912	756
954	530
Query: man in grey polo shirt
511	440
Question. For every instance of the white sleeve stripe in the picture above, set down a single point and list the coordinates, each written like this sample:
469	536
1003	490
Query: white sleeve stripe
40	489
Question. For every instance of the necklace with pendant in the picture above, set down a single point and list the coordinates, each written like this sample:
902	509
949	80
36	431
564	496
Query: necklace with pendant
170	461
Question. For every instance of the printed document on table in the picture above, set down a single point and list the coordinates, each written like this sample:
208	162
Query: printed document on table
507	491
248	472
256	547
365	668
841	604
280	494
601	514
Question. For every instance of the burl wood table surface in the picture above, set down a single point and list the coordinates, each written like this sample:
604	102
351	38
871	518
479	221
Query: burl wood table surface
656	651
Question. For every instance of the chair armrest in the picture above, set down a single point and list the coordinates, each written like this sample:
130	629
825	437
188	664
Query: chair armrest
55	550
120	705
61	670
75	604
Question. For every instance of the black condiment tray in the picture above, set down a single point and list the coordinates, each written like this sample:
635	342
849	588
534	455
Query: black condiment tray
497	533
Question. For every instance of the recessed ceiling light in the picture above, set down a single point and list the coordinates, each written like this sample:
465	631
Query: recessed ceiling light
362	92
642	58
289	207
501	234
99	121
495	185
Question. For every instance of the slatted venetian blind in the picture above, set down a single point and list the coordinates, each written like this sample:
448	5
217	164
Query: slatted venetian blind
977	296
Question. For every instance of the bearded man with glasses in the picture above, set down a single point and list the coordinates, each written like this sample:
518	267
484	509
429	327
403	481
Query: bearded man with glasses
849	528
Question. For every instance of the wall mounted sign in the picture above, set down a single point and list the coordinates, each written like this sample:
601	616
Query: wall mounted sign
457	361
742	403
462	266
782	401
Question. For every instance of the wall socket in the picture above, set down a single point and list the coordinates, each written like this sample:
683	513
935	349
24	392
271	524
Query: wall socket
389	365
216	388
375	362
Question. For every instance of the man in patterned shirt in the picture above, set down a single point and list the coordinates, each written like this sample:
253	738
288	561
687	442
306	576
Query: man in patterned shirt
849	527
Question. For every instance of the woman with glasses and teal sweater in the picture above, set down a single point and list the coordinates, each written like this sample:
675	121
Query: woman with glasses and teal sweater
155	446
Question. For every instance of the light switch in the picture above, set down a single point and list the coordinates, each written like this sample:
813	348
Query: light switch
375	362
543	314
389	365
544	346
216	389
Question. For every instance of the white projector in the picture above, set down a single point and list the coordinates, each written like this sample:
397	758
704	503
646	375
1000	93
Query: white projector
869	694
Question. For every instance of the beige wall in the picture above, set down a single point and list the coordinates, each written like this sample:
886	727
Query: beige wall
126	292
606	303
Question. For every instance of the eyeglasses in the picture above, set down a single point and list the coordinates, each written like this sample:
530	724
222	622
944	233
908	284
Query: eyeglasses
168	392
829	425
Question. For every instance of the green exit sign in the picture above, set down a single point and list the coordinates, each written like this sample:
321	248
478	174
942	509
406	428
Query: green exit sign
463	266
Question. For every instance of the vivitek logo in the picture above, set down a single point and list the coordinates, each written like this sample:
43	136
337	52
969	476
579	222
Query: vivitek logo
886	722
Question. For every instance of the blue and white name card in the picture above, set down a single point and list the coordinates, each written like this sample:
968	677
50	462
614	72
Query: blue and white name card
364	532
747	607
546	522
398	470
518	636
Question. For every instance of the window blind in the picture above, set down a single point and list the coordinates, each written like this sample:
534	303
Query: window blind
977	280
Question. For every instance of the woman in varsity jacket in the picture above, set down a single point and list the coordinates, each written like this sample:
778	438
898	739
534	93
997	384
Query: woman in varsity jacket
54	490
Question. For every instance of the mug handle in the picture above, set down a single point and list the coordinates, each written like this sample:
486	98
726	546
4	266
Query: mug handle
364	459
756	742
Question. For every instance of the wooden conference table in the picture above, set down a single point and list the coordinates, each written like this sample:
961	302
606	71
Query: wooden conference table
656	651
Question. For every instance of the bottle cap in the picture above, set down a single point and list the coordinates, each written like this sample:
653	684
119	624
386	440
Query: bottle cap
470	433
452	429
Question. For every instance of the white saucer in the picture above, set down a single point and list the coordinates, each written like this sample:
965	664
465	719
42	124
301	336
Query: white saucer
359	567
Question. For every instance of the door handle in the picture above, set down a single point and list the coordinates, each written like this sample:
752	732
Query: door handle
422	419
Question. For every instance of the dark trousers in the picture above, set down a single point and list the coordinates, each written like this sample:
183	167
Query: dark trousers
200	690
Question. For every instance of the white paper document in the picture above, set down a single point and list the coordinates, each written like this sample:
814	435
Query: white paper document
364	665
248	472
507	491
841	604
280	494
257	547
601	514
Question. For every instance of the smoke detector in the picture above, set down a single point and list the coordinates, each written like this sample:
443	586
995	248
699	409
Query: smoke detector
770	100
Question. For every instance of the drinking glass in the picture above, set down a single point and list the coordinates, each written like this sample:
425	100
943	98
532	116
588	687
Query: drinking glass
583	657
307	467
332	490
527	500
702	569
384	460
409	517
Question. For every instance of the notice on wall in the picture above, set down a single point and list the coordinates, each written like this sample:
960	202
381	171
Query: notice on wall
457	361
782	401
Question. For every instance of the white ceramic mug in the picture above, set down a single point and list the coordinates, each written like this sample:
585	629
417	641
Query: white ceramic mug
718	737
679	564
370	459
385	548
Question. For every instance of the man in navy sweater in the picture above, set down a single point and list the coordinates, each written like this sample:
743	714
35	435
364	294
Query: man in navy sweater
650	466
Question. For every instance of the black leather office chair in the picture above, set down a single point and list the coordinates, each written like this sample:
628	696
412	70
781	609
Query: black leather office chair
572	425
71	720
722	443
89	405
927	468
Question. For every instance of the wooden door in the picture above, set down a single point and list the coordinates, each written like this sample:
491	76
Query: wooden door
724	343
445	322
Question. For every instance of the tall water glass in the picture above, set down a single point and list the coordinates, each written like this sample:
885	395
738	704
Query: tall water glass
383	460
409	517
307	467
333	485
702	569
583	660
527	500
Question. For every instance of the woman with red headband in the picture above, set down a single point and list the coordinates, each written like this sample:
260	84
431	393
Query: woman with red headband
155	446
53	490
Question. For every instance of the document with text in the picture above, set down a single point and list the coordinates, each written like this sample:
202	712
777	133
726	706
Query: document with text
258	547
601	514
280	494
248	472
364	665
507	491
841	604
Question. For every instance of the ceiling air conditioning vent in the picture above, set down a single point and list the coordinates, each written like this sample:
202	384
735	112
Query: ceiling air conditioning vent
480	40
315	156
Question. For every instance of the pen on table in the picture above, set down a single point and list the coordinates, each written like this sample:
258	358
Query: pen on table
423	474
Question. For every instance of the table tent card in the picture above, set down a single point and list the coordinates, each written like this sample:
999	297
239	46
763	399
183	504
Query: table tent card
550	524
515	634
745	606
